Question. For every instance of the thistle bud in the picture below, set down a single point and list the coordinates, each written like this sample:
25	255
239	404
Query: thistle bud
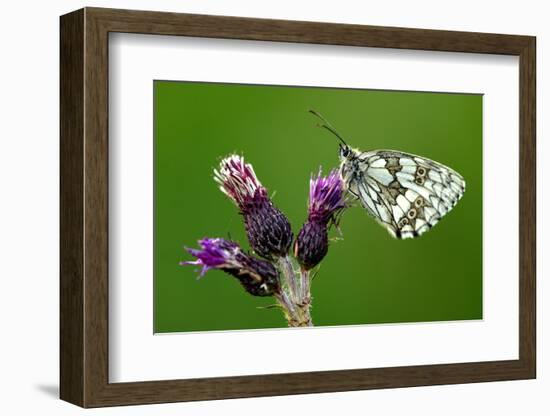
267	228
258	277
326	200
312	244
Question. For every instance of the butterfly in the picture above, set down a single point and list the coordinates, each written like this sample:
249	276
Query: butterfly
406	193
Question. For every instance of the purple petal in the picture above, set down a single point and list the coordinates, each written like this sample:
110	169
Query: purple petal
204	268
238	180
215	253
326	196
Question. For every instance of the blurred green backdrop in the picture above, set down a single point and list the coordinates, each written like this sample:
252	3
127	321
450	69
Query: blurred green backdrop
366	278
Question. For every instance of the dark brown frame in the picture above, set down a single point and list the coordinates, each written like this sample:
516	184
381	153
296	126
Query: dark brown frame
84	212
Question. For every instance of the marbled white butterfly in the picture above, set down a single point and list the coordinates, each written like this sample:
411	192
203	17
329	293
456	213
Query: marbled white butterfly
406	193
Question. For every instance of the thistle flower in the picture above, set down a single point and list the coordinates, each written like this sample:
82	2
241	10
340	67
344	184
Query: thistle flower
267	228
326	200
258	277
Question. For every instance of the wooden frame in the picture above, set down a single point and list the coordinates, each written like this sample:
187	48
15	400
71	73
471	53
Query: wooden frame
84	207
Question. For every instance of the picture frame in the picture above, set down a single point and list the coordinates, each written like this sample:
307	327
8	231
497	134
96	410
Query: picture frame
84	216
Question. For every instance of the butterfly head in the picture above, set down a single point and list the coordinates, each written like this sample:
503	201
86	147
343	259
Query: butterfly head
346	153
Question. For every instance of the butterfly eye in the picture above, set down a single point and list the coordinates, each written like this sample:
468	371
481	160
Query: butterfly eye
344	151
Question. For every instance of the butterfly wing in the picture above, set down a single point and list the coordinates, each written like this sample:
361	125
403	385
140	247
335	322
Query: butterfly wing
407	194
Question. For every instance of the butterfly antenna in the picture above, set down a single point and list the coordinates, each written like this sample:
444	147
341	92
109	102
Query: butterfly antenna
326	125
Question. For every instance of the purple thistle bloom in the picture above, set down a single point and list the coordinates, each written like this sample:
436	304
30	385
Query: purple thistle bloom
267	228
326	201
215	253
238	181
326	197
258	277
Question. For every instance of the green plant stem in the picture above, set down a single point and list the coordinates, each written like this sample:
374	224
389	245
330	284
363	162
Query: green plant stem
305	294
295	297
289	277
286	305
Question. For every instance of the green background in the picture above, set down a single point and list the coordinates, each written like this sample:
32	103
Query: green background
368	277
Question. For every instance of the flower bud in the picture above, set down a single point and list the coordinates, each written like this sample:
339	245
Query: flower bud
311	244
258	277
326	201
267	228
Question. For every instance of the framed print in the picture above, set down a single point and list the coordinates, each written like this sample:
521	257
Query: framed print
255	207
